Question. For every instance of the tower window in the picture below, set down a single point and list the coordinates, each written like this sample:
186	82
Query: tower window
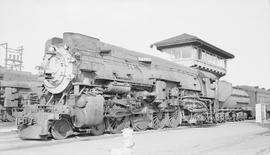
179	52
186	53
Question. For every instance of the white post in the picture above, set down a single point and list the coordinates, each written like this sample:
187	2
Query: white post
128	138
260	113
128	142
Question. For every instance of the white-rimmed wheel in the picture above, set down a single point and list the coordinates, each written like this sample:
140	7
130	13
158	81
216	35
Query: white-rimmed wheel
117	124
140	123
98	129
61	129
159	120
175	118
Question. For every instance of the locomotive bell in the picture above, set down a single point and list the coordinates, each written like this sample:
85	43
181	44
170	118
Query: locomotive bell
59	70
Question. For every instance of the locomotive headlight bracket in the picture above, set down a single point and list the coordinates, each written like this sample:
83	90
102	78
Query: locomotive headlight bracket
60	66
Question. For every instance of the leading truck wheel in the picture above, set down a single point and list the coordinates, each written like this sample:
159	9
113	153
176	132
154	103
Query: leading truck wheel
61	129
99	129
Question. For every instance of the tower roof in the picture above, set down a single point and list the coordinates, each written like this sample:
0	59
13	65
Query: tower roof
187	39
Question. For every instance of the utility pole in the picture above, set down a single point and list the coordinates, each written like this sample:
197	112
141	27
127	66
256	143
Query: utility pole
20	51
13	60
5	46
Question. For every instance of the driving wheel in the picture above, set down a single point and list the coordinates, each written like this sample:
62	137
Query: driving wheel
159	120
116	125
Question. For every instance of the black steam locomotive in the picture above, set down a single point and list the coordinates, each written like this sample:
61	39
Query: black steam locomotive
91	86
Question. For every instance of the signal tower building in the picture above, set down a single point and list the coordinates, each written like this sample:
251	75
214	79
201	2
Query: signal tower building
191	51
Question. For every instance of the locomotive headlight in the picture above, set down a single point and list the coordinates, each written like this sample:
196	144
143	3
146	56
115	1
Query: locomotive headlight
51	49
66	47
58	68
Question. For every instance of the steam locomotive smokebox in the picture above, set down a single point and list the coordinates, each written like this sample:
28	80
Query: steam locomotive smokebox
82	42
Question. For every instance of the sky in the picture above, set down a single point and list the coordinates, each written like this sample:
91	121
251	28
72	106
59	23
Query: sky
241	27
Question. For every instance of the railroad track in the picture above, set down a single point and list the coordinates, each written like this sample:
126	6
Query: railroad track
6	124
11	141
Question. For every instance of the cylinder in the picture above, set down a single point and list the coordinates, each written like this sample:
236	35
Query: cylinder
89	111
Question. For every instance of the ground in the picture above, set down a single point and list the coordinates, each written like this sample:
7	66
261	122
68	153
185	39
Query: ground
247	138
